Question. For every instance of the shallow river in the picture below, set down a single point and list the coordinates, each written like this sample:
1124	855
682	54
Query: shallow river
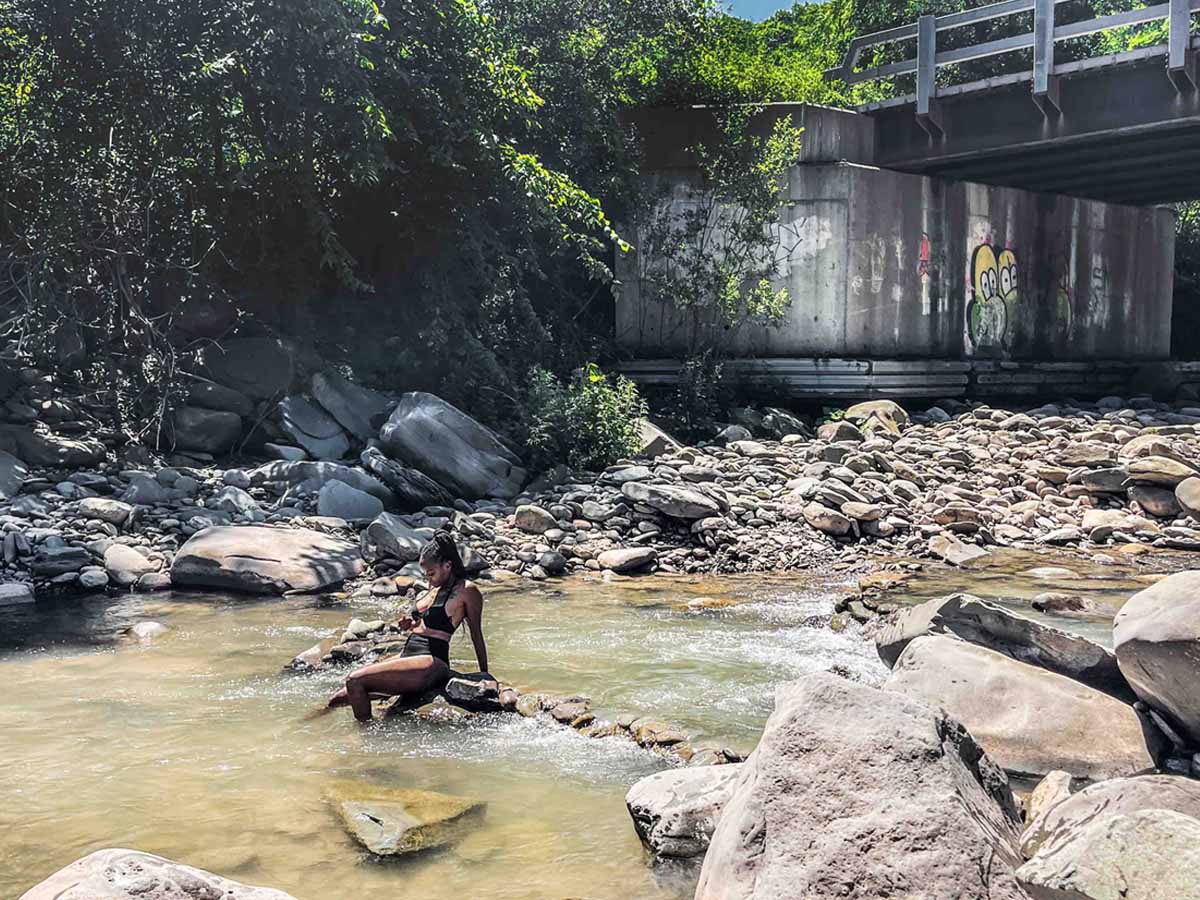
196	746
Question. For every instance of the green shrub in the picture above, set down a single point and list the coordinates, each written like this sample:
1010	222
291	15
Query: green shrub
587	423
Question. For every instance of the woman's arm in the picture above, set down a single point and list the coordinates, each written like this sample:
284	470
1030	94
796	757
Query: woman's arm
474	602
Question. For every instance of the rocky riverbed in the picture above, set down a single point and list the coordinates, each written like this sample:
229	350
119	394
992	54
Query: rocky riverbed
951	481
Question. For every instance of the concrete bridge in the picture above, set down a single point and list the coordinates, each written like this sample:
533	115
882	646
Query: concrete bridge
1123	128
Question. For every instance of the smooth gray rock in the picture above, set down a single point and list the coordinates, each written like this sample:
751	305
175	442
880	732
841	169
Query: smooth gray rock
232	500
260	368
125	565
674	812
389	537
105	509
876	416
209	395
653	441
533	519
313	428
289	473
392	822
450	447
338	499
51	561
1147	855
357	409
44	448
146	491
1156	636
15	593
206	430
119	874
676	502
1030	721
1187	495
624	560
412	488
12	475
954	551
1058	822
854	792
979	622
262	560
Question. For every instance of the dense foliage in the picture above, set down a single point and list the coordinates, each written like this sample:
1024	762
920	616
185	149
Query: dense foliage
588	422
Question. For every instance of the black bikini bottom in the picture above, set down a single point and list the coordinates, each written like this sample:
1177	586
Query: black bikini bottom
424	645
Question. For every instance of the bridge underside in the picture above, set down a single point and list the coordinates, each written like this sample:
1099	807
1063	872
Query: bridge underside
1123	134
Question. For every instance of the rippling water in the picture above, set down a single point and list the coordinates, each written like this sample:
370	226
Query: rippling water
195	746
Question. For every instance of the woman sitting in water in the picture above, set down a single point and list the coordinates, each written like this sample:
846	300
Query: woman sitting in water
424	662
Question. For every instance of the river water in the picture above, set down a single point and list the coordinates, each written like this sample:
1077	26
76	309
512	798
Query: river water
196	745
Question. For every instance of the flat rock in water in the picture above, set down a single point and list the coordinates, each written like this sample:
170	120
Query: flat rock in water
262	560
1156	635
674	812
119	874
15	593
954	551
1059	822
1147	855
452	448
1029	720
858	792
992	626
394	821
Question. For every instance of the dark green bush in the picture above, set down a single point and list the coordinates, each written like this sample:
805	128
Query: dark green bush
588	422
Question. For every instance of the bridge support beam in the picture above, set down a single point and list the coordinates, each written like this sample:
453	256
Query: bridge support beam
927	111
1045	82
1181	58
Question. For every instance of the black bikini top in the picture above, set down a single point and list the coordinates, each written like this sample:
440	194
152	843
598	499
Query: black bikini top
436	617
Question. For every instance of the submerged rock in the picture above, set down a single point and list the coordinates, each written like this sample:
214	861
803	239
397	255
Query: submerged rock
119	874
857	792
1029	720
394	821
675	812
263	560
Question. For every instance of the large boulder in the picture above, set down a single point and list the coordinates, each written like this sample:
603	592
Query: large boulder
262	560
653	441
854	792
1146	855
359	410
1060	821
389	537
395	821
125	565
313	475
313	428
412	488
339	500
12	475
1187	495
674	812
1029	720
45	448
676	502
1156	635
119	874
205	430
210	395
261	368
983	623
449	446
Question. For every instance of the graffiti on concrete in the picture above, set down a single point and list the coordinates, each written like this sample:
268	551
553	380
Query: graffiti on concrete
993	298
923	260
870	262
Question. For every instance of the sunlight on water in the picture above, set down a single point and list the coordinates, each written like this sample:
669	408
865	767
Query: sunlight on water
196	746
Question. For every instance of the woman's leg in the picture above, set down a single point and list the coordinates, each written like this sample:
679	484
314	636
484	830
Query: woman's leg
405	675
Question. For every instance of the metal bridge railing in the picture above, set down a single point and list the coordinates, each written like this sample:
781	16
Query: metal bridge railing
1179	50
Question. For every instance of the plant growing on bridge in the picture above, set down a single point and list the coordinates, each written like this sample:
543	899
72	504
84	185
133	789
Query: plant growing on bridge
712	248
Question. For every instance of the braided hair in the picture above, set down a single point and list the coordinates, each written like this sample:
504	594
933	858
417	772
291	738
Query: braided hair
442	549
